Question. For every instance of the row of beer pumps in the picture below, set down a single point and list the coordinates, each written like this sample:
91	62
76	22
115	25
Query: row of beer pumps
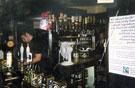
37	80
9	55
28	53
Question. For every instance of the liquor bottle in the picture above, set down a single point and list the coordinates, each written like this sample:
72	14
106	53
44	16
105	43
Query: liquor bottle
85	23
75	54
85	28
53	23
93	42
93	38
68	26
43	85
80	23
88	24
59	25
1	54
60	21
82	31
68	23
104	21
90	20
72	23
88	28
49	26
76	23
65	23
94	20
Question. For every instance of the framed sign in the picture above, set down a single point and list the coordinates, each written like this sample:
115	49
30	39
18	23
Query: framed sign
122	45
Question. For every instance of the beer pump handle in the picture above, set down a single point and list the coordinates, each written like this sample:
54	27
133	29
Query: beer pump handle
30	58
21	52
27	52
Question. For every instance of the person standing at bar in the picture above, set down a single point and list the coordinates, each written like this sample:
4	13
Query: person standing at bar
36	48
101	68
100	44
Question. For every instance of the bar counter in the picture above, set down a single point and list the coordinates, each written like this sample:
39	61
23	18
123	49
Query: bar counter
80	66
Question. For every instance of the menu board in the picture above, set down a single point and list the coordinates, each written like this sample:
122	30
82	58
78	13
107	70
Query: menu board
122	45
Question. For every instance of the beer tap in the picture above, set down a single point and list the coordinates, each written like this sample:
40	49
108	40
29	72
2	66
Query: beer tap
9	62
21	52
28	54
21	55
9	59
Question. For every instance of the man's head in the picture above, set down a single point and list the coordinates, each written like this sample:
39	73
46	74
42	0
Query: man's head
26	33
26	37
101	36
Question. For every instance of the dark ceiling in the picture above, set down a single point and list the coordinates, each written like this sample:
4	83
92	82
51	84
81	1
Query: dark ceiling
26	8
11	10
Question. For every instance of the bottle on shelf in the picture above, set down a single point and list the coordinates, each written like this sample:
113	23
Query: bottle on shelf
75	54
80	24
76	23
68	25
53	23
65	22
85	23
72	23
1	54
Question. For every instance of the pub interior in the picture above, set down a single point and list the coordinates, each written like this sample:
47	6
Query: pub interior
60	43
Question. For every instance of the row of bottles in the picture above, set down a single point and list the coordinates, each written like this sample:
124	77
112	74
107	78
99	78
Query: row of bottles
81	29
75	24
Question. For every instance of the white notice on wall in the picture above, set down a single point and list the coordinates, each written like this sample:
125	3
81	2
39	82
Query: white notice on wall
105	1
122	45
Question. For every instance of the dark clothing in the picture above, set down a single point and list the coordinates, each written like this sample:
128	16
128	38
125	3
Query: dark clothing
100	50
101	67
37	47
100	47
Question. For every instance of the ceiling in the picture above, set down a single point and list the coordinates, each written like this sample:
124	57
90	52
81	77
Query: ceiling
12	9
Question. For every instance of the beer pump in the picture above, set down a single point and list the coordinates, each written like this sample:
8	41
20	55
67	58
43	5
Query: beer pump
28	54
21	52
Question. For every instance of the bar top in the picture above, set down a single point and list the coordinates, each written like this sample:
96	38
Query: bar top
81	64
